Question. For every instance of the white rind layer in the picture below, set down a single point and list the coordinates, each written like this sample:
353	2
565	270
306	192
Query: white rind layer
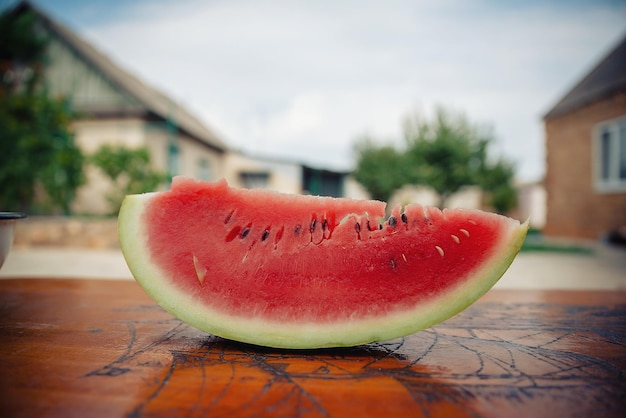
270	333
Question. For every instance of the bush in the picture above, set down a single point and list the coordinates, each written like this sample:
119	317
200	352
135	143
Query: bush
129	170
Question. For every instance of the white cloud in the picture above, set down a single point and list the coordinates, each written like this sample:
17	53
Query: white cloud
303	79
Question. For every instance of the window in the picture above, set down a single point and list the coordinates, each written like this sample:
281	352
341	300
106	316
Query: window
322	182
173	155
610	156
255	180
204	170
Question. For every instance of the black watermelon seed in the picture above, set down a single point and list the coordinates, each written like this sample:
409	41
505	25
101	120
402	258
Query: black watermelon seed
392	221
324	225
405	219
357	227
297	229
313	224
380	226
266	234
245	232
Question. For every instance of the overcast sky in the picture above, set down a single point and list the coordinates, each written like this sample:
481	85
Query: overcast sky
304	79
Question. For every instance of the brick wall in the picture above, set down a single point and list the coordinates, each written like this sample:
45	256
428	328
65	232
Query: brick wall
574	208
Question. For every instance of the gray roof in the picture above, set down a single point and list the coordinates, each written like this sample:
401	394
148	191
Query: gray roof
154	101
604	80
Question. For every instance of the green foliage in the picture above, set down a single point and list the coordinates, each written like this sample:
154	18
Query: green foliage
129	170
497	181
379	169
40	165
37	151
445	153
22	52
536	242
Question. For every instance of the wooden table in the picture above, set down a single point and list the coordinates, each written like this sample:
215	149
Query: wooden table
89	348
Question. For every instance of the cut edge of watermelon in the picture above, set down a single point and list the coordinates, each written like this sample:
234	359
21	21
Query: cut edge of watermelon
270	333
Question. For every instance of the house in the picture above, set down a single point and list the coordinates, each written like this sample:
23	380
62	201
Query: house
116	107
289	176
586	154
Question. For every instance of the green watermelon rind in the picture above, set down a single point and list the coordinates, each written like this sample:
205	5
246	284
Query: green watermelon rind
260	331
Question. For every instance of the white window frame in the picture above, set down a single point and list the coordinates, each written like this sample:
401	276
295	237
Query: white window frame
613	184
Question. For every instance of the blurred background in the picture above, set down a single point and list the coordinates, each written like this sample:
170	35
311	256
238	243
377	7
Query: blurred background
515	107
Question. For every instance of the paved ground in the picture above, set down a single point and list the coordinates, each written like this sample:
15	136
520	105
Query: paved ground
604	269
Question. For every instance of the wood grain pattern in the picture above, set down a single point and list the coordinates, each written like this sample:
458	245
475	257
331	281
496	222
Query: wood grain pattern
103	348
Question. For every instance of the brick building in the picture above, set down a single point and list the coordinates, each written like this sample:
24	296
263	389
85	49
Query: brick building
586	154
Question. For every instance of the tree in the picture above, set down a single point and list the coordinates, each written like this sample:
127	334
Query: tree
37	149
379	169
445	153
497	181
129	169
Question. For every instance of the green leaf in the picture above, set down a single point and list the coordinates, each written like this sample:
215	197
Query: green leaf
446	153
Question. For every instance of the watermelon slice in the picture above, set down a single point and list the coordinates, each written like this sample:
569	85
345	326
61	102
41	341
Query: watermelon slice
297	271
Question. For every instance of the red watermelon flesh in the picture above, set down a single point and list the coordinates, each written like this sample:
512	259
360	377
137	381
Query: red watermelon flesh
303	271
